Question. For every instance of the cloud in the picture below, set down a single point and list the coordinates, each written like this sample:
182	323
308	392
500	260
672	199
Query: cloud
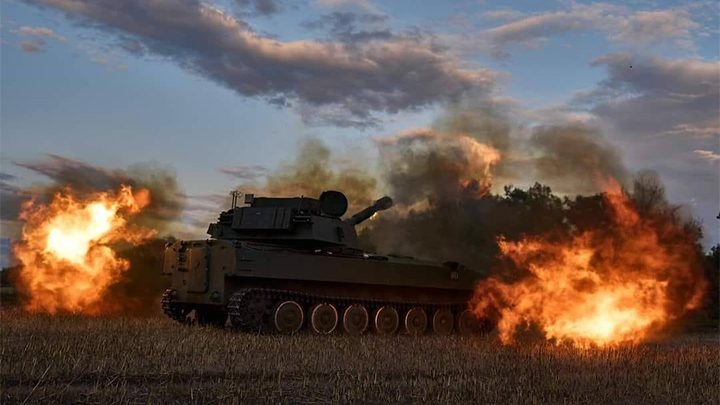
100	60
503	14
708	155
39	35
619	23
358	81
41	32
30	47
345	27
658	111
651	95
654	26
260	7
37	38
133	46
362	4
246	172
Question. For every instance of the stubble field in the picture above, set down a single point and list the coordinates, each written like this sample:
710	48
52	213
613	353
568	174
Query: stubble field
121	360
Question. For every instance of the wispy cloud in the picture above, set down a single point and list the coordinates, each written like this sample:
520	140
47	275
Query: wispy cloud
652	96
353	28
502	14
245	172
708	155
29	47
41	32
37	37
361	4
619	23
260	7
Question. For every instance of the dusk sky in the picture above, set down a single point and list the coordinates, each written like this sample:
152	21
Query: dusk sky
216	87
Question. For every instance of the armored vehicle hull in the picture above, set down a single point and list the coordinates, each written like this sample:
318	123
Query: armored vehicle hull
255	285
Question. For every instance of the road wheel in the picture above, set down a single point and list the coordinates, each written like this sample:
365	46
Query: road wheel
442	322
386	320
288	317
467	323
324	318
355	320
416	321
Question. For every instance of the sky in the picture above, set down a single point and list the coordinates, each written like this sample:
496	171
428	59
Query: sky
219	91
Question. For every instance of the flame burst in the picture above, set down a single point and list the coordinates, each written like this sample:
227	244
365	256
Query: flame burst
600	287
67	262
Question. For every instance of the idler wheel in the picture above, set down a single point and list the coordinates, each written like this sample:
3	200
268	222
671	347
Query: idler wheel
355	320
324	318
386	320
288	317
442	322
416	321
468	323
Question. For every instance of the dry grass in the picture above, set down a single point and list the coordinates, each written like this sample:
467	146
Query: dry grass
134	360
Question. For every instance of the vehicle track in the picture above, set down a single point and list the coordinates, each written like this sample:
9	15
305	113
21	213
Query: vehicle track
255	310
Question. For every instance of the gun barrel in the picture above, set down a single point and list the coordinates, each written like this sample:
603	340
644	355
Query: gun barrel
379	205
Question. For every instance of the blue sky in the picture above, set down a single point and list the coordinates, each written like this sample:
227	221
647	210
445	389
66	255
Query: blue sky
199	86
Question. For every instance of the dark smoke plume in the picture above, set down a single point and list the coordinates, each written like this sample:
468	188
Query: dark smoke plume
313	170
140	288
575	159
442	180
424	165
84	179
457	154
487	124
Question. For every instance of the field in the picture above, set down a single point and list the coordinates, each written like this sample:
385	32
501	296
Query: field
119	360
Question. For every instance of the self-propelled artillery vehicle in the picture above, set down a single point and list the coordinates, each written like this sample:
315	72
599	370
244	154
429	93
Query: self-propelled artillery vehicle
284	264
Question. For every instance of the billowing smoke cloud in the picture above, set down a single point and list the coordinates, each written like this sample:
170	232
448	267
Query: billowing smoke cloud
471	147
423	164
446	179
166	202
315	169
575	159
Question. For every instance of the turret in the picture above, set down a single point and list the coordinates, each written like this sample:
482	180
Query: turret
298	221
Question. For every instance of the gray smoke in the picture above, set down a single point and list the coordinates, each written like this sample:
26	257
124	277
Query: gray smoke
85	179
575	159
315	169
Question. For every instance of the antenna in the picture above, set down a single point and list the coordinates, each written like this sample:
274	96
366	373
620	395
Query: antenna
235	195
